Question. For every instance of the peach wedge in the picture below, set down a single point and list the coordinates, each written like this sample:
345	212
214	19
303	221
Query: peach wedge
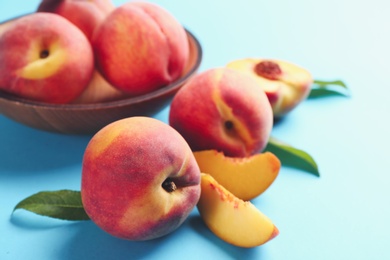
245	177
235	221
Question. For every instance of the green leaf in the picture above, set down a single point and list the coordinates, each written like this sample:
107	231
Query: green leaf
324	83
323	88
62	204
292	157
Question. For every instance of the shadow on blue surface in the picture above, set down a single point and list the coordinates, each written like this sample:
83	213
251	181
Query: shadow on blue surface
26	220
87	241
26	151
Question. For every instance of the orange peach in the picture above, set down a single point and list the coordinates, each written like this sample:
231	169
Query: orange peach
140	47
285	83
245	177
44	58
233	220
222	109
140	179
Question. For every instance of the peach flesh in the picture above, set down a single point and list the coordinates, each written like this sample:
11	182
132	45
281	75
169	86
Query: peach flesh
233	220
245	177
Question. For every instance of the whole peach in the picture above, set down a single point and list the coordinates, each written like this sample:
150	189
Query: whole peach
140	179
140	47
44	58
222	109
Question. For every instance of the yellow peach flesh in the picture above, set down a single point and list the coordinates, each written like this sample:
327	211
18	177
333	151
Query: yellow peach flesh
290	88
245	177
233	220
247	65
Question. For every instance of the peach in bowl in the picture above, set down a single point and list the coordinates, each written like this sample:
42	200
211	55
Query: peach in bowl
76	93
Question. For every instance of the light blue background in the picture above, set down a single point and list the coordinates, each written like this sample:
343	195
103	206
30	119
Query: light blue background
344	214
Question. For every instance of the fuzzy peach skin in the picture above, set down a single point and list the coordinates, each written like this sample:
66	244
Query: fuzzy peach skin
286	84
140	179
140	47
222	109
98	91
85	14
45	58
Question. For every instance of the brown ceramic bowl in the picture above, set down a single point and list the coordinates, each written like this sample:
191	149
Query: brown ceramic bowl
89	118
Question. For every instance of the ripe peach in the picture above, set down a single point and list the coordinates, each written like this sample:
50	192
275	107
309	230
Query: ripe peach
233	220
245	177
85	14
140	47
99	90
45	58
222	109
285	83
140	179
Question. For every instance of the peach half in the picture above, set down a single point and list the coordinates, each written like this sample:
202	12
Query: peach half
222	109
235	221
245	177
286	84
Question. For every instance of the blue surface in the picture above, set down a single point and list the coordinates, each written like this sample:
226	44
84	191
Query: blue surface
344	214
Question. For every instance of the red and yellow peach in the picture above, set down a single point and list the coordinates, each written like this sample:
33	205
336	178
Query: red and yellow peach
140	179
222	109
140	47
44	58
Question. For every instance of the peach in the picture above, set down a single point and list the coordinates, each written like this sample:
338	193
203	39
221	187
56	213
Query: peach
140	179
44	58
235	221
85	14
140	47
245	177
99	90
222	109
286	84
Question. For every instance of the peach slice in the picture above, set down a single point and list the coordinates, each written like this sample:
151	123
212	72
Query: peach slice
235	221
286	84
245	177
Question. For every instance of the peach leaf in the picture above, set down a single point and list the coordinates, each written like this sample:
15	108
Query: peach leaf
61	204
323	88
292	157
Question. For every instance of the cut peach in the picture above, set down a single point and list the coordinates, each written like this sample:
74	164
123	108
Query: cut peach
286	84
245	177
235	221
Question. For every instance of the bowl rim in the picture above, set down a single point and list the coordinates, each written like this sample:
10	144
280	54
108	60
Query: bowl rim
115	103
